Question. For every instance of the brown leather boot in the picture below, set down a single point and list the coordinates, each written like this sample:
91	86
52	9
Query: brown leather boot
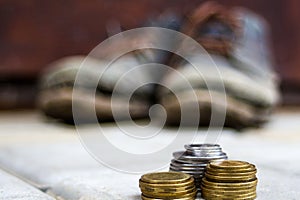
57	99
236	40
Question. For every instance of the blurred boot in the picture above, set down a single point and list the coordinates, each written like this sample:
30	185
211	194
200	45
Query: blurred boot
214	26
236	41
57	82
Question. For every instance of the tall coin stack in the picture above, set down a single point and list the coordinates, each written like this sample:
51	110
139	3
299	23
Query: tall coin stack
167	185
194	160
229	180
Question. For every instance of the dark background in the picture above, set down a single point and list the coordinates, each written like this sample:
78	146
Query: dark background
36	32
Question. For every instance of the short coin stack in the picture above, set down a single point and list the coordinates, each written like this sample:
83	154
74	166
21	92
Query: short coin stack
194	160
167	185
229	180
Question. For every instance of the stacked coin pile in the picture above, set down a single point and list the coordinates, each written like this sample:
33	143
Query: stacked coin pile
167	185
229	180
194	160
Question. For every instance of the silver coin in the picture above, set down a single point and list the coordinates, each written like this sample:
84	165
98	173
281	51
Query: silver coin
202	158
205	154
194	147
188	168
195	158
201	154
197	162
188	171
201	146
189	165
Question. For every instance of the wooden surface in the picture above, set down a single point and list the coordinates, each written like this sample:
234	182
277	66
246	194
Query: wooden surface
51	157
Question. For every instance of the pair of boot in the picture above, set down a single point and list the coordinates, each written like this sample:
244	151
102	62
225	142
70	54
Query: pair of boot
236	40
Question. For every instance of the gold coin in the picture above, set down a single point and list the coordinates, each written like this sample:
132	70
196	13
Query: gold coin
234	196
229	164
232	174
249	170
165	177
181	198
189	182
228	188
248	183
228	192
166	189
230	178
222	197
169	194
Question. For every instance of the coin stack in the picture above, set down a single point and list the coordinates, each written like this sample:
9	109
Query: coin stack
229	180
194	160
167	185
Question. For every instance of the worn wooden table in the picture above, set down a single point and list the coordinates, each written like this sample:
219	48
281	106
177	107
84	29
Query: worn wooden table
45	160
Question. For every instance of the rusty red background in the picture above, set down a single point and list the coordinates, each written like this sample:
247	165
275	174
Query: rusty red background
36	32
